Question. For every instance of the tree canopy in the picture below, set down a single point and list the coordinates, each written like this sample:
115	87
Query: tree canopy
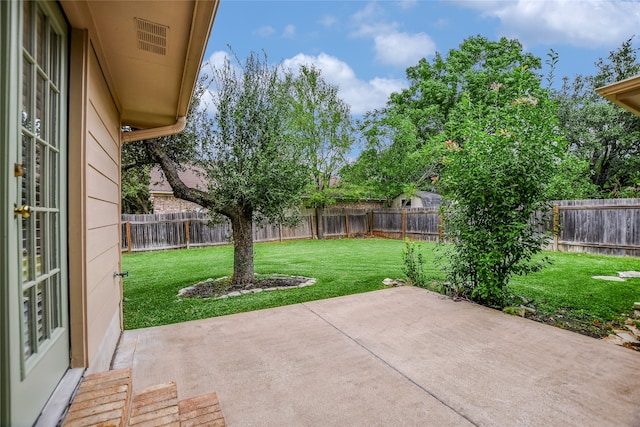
322	121
403	141
603	134
245	151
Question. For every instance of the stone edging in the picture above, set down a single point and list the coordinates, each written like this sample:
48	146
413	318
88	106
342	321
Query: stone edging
310	281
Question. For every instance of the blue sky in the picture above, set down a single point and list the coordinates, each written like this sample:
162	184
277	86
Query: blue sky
364	47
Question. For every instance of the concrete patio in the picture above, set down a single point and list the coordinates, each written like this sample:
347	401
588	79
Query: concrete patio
397	357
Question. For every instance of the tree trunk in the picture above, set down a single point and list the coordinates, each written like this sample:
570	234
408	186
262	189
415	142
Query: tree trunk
320	222
242	248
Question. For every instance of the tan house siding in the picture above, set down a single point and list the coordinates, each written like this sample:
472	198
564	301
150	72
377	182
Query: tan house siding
103	213
95	292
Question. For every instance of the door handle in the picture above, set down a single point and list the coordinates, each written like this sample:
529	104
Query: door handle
24	211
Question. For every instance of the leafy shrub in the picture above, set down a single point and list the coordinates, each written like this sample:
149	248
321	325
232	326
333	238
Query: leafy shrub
495	179
413	264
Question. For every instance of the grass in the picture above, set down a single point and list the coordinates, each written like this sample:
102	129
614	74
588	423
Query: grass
564	293
342	267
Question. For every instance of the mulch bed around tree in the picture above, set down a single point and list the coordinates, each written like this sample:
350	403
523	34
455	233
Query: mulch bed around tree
211	288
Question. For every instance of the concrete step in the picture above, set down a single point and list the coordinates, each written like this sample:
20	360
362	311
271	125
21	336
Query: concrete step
102	400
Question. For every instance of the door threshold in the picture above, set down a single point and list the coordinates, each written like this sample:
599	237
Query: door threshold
58	404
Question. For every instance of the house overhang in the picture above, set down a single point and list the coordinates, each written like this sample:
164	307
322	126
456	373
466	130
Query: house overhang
625	93
150	53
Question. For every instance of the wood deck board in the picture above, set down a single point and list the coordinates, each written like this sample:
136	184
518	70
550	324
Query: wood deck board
105	400
155	406
101	401
201	410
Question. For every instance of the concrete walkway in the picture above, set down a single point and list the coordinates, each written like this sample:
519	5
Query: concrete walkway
397	357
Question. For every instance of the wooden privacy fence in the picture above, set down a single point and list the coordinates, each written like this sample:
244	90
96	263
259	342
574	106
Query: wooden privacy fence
609	226
415	224
187	230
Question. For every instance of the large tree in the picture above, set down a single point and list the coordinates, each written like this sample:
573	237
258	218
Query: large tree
245	151
322	121
403	147
404	139
601	133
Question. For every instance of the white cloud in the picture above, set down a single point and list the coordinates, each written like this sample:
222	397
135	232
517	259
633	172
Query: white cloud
403	49
361	95
585	23
265	31
215	61
328	21
408	4
391	46
289	32
369	22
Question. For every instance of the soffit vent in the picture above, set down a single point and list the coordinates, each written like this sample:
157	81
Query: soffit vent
152	37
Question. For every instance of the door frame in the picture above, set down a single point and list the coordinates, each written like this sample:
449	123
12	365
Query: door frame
18	380
9	48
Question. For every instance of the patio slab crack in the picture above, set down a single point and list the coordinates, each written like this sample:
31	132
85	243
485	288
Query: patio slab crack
390	366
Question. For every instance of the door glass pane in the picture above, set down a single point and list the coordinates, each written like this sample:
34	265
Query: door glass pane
27	70
26	316
26	27
26	250
40	313
39	254
53	114
55	297
54	58
41	33
40	126
53	241
25	187
38	166
53	179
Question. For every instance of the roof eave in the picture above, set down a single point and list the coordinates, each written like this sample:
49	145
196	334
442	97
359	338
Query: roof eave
625	93
150	91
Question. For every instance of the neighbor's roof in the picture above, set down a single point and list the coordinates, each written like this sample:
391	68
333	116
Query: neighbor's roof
191	176
625	93
150	52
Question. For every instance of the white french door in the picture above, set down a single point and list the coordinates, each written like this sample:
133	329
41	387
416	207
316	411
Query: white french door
38	343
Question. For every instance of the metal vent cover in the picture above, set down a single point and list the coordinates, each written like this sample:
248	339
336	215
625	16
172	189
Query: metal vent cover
151	37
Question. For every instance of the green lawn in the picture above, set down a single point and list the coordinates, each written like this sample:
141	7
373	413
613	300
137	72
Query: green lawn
563	293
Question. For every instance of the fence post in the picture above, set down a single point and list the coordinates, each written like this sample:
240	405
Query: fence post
440	227
556	226
371	221
128	227
404	224
346	222
280	230
186	232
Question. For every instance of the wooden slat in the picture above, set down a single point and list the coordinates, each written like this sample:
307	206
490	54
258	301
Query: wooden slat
102	400
155	406
201	411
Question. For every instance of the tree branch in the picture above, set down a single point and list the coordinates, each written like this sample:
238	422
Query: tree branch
180	189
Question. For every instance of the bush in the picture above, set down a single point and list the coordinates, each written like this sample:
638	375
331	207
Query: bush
496	176
413	264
